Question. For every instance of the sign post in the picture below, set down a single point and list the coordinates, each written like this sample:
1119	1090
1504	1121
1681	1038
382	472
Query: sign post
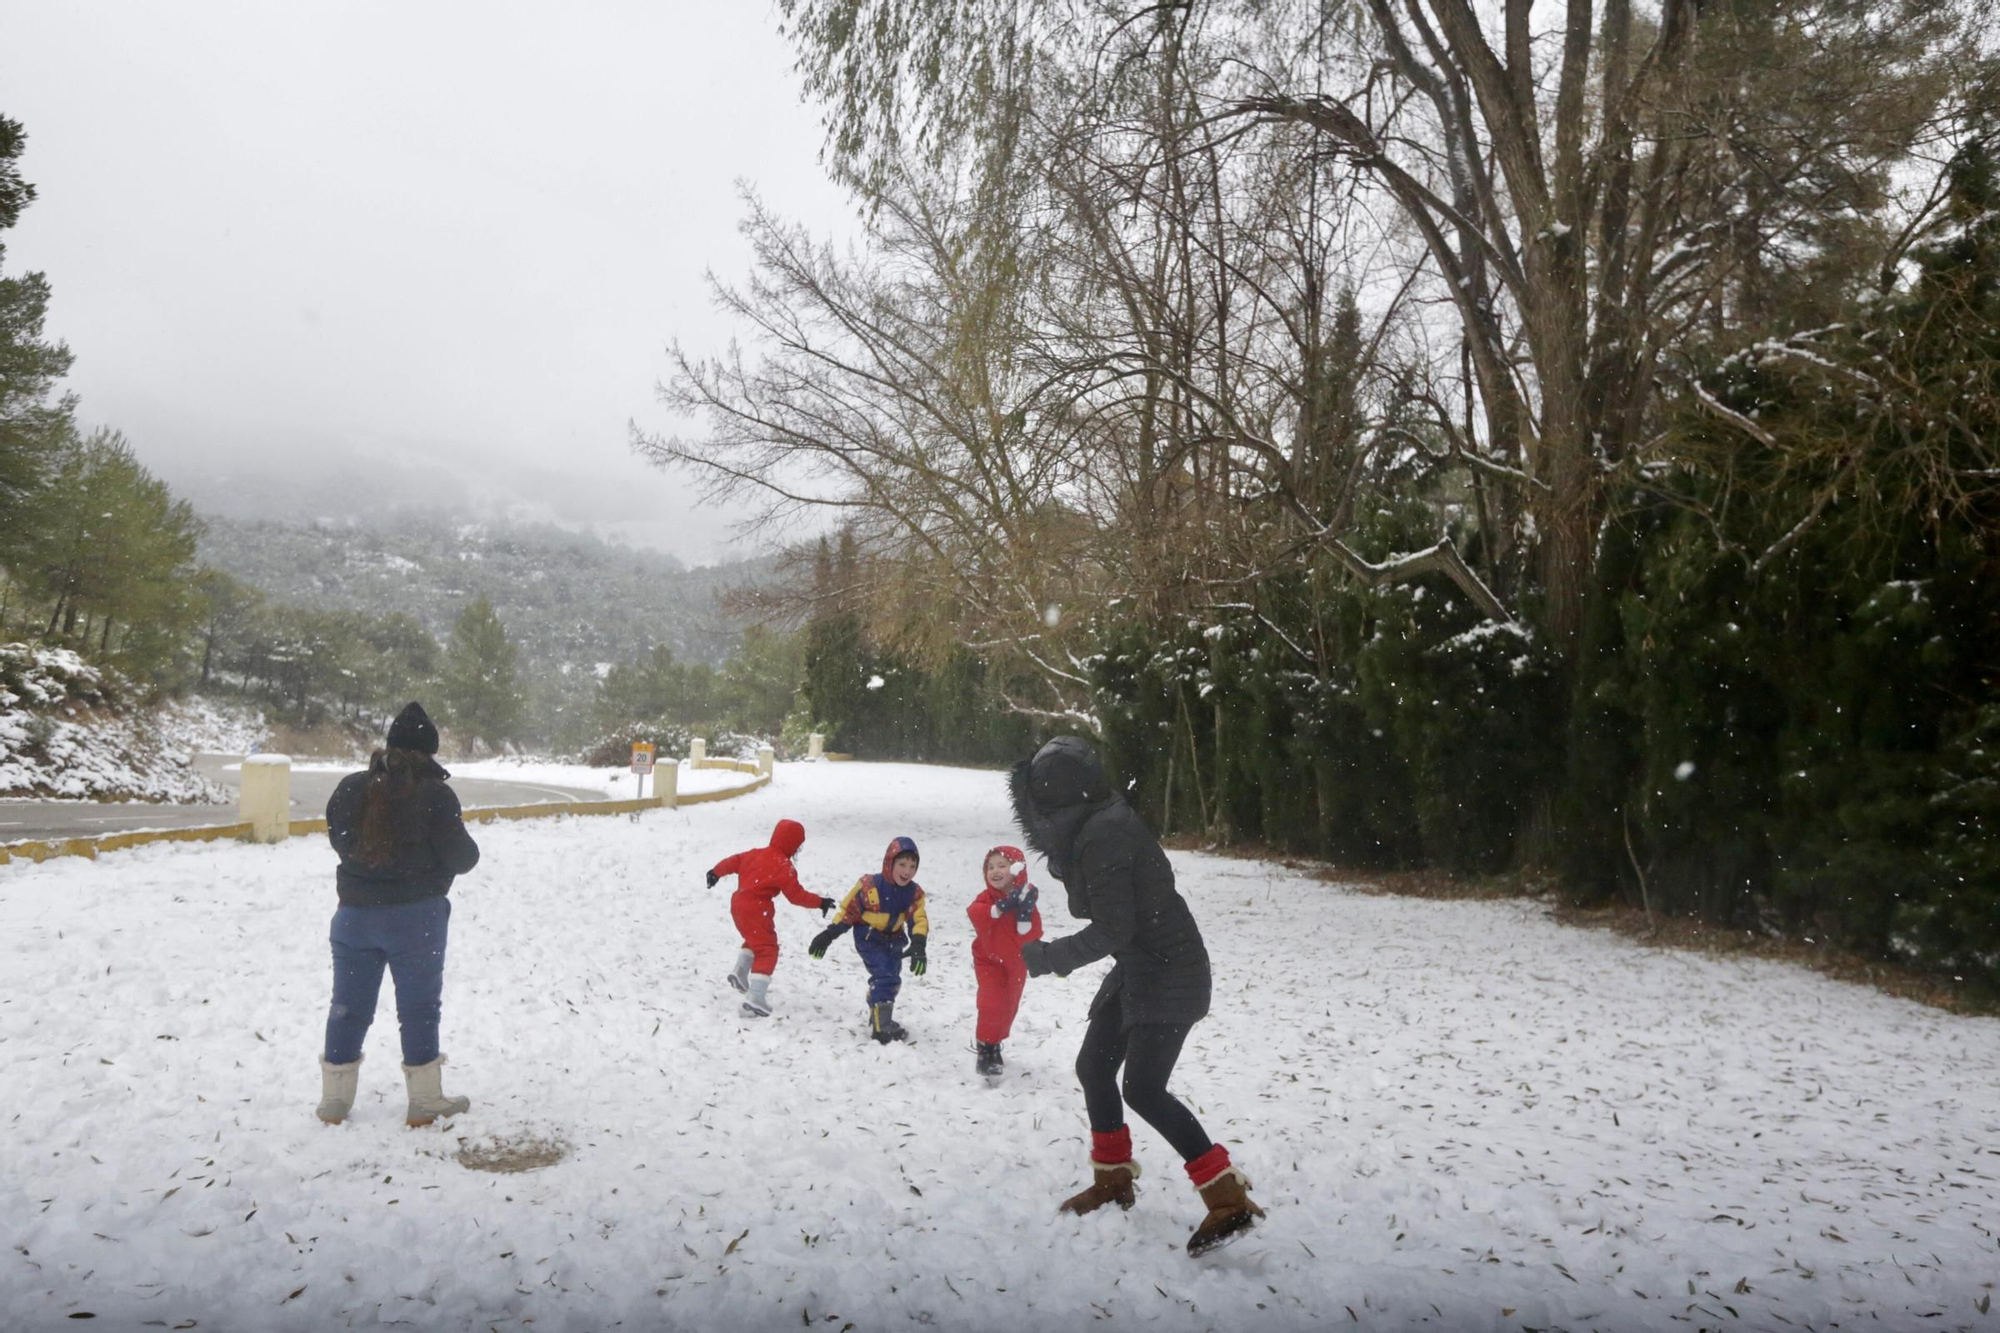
642	763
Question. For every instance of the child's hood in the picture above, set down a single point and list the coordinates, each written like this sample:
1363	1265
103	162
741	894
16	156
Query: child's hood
1017	862
788	837
899	846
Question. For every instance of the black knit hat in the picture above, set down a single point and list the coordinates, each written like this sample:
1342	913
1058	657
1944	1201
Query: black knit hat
414	730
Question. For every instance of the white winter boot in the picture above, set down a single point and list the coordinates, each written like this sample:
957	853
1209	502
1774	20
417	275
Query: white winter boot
336	1089
427	1099
739	976
757	1004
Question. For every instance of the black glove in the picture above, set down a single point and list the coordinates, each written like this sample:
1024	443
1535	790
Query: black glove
712	877
917	963
826	905
1010	902
1035	953
820	941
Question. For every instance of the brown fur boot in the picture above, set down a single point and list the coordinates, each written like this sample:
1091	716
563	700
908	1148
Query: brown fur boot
1113	1184
1230	1212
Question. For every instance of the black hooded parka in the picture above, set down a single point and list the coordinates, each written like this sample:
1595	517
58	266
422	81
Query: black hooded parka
1118	879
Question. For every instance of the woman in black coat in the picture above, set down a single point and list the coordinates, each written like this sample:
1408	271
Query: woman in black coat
401	842
1119	880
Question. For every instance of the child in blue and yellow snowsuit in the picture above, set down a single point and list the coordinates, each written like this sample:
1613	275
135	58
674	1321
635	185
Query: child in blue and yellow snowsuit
886	913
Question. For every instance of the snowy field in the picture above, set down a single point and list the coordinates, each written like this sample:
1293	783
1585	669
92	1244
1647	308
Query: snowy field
1459	1115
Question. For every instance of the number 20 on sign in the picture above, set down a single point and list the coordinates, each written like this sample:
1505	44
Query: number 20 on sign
642	762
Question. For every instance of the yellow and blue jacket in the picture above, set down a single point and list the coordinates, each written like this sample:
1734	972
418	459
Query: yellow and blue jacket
878	906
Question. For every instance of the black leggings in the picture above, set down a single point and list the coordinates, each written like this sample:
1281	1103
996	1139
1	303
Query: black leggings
1148	1052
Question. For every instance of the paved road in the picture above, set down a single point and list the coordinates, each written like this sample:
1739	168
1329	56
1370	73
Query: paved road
22	821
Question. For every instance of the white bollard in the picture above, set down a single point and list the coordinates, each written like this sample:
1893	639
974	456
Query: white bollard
697	752
767	759
815	746
265	798
667	785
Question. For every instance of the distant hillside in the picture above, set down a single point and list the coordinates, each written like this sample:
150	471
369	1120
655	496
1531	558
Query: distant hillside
568	599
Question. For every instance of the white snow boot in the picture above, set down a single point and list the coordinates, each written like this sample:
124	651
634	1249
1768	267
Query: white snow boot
427	1099
739	976
757	1003
336	1089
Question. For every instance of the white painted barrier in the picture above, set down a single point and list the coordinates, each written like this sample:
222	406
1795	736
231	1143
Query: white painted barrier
265	799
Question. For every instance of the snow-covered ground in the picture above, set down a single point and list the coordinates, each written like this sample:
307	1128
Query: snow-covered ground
1459	1115
615	784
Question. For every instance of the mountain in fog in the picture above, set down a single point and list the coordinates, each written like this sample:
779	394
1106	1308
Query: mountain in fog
568	599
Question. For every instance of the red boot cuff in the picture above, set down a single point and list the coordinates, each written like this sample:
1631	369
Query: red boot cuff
1208	1166
1112	1149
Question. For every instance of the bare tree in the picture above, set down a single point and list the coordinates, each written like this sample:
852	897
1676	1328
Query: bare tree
1592	192
888	392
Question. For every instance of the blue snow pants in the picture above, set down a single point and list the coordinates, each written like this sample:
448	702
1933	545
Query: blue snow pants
883	955
406	938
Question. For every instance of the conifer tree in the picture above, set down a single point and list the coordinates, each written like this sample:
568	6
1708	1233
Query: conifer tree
32	425
480	694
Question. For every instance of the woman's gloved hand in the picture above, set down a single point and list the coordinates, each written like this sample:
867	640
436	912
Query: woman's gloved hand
1035	953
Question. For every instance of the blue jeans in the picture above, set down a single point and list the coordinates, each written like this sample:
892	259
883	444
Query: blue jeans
883	956
406	938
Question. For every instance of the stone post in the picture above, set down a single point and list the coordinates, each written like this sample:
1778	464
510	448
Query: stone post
815	746
697	752
265	797
667	784
767	758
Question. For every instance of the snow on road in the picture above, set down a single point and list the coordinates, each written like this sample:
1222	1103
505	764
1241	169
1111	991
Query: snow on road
1459	1115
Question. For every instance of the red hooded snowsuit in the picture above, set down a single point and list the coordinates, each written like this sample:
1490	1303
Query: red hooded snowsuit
996	951
761	875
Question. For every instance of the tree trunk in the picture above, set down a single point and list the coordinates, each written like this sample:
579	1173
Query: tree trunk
1221	829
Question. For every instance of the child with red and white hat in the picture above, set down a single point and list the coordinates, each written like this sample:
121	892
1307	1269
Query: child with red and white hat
1004	917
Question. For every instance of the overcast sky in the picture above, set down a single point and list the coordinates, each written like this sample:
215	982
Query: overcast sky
316	251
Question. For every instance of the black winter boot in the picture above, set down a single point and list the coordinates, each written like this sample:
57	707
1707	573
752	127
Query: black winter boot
882	1024
989	1062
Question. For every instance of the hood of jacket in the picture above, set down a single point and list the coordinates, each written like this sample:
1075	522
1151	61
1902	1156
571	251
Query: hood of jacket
1063	785
898	847
788	837
420	766
1016	859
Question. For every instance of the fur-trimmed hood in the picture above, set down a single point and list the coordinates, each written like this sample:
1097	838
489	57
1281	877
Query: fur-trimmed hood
1054	793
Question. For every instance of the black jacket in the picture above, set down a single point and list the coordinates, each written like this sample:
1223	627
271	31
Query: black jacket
1119	879
431	845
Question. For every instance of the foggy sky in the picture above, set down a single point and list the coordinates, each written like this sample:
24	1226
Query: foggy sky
315	252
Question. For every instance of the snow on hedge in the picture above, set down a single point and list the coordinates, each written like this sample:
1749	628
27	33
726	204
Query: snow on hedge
1460	1115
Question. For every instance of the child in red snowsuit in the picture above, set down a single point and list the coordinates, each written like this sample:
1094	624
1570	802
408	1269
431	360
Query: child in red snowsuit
1004	917
763	873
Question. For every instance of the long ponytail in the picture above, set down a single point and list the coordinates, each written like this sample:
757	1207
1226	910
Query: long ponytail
393	775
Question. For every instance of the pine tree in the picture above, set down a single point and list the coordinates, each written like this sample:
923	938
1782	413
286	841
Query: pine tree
32	425
480	694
